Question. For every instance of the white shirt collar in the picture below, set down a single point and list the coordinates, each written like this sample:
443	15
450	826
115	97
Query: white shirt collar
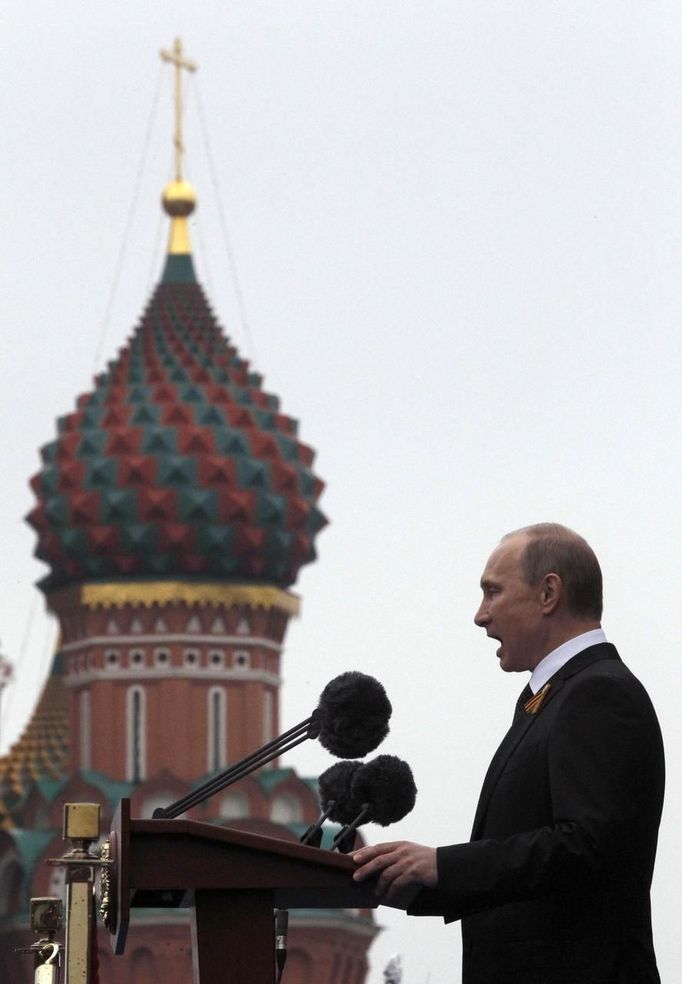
553	661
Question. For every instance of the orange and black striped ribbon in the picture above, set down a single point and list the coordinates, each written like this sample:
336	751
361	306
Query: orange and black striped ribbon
533	705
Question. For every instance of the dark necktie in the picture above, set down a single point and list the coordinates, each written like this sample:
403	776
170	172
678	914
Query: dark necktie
524	696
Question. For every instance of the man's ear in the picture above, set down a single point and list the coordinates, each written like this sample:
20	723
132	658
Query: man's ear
551	590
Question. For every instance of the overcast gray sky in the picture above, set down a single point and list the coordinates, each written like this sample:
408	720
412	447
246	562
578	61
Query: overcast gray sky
458	229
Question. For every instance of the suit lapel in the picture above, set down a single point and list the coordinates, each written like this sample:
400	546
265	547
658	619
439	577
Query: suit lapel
519	727
523	722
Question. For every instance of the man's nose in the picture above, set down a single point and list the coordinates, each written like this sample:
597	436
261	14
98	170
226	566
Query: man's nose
481	617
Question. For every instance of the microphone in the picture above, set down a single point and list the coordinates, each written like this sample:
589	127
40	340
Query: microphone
281	932
353	715
336	791
351	719
386	790
336	799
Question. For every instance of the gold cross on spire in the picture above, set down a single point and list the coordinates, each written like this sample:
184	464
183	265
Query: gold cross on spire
176	58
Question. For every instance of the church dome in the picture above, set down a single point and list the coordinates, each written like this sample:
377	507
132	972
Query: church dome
178	463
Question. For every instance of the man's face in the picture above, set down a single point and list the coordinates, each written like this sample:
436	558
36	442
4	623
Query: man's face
511	610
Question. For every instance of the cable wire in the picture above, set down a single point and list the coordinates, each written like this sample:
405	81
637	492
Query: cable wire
198	230
156	253
231	261
12	688
118	266
152	280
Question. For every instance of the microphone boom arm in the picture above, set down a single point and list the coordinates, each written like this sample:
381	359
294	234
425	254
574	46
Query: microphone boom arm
342	840
286	741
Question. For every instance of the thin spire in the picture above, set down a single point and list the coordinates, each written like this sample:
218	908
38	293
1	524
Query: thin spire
179	198
177	58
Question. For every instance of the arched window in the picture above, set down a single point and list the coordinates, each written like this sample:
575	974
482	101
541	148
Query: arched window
286	808
217	729
85	715
57	883
136	718
159	798
268	733
234	805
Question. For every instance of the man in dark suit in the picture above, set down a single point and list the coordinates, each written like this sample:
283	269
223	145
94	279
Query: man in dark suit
553	887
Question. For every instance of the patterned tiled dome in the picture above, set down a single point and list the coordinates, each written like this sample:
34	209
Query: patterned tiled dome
42	750
178	464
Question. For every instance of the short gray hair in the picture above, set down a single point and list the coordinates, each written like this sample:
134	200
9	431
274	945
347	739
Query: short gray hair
556	549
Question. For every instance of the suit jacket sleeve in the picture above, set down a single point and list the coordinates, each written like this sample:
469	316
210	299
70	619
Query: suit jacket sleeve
593	764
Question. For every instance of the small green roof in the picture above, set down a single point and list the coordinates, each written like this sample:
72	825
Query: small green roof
50	789
269	778
112	789
31	844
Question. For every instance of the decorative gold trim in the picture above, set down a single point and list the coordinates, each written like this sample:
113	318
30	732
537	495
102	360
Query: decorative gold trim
106	912
178	238
213	594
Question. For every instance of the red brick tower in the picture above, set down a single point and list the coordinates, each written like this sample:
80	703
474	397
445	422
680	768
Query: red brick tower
174	510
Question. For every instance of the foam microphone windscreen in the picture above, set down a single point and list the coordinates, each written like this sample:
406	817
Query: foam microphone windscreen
352	715
335	792
388	786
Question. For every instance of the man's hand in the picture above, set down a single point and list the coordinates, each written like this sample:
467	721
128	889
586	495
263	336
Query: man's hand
400	865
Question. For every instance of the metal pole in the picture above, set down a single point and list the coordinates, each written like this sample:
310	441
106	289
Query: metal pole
81	827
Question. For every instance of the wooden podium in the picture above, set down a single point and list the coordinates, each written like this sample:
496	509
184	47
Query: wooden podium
232	880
